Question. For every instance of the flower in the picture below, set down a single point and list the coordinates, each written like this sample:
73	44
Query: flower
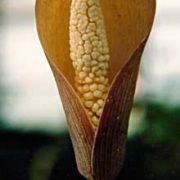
94	49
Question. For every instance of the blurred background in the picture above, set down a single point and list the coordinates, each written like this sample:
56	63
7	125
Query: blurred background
34	141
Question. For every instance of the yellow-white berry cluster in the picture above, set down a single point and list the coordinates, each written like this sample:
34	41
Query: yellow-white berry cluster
90	55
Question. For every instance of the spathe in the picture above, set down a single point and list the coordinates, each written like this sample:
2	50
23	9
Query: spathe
99	154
